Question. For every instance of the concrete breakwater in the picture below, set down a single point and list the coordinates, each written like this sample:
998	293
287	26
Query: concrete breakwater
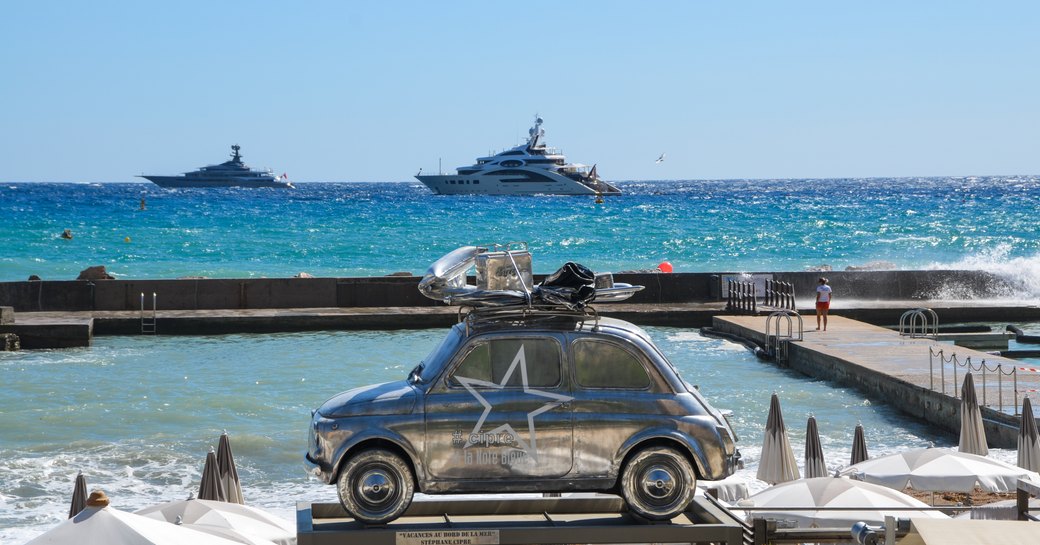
400	291
56	314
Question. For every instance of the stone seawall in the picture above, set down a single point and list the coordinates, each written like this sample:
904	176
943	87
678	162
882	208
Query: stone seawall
392	291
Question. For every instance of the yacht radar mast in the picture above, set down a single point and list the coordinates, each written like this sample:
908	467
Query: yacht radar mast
536	133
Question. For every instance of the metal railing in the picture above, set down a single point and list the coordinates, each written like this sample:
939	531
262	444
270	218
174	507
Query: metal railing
741	297
779	294
982	367
778	341
1024	491
919	322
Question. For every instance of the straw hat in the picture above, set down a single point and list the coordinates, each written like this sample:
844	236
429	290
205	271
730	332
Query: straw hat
97	498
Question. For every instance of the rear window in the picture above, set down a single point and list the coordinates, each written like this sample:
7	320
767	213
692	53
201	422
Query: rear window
600	364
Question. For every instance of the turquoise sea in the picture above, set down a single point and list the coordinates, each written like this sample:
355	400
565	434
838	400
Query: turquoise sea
137	414
365	229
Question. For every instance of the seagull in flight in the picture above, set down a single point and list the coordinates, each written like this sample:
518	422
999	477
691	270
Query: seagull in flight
660	159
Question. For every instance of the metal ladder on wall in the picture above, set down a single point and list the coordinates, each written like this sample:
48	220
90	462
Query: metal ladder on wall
919	322
148	322
780	340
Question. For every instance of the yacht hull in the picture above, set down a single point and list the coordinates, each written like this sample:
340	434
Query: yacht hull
171	182
529	183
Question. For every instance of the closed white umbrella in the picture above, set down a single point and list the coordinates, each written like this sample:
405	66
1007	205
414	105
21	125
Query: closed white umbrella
843	502
973	435
940	470
228	472
778	462
859	446
1028	439
244	519
99	523
210	487
814	463
79	496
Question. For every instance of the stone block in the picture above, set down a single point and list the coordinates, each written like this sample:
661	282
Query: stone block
6	315
9	342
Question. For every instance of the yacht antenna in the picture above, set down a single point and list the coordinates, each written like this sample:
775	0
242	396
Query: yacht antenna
439	169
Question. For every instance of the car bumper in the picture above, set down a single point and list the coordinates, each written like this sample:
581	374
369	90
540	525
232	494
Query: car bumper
314	468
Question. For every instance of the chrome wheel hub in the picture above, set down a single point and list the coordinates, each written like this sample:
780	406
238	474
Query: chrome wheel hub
658	484
375	487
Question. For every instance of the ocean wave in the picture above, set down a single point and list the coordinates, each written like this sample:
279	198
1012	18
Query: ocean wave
1021	273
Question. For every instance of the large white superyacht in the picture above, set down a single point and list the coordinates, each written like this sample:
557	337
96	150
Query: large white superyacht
528	169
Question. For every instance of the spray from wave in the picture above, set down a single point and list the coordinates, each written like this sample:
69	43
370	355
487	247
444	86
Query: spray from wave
1019	274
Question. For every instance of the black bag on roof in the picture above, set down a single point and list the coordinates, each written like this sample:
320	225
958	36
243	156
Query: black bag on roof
571	275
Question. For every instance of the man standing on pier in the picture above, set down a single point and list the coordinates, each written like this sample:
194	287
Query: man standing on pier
823	302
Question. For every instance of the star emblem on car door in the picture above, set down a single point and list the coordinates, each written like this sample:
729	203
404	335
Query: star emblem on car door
530	447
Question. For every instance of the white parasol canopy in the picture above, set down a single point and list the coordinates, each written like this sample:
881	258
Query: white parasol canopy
114	527
865	502
940	470
1028	439
243	519
973	435
778	462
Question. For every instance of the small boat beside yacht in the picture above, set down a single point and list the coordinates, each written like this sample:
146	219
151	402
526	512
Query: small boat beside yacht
528	169
233	173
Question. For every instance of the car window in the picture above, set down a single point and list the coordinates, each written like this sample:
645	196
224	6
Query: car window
600	364
493	361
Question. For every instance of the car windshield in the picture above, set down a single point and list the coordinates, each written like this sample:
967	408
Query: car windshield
430	366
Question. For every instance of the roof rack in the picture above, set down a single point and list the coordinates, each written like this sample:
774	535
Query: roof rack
471	316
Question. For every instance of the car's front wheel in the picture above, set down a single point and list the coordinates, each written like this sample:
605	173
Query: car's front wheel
658	483
376	486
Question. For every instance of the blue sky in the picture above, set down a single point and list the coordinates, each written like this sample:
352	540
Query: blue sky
351	91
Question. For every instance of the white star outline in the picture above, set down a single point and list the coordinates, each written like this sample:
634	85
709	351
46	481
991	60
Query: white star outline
519	360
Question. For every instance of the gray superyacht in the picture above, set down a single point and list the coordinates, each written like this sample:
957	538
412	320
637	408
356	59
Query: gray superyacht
233	173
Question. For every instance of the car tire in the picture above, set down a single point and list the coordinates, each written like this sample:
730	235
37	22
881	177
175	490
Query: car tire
376	486
658	483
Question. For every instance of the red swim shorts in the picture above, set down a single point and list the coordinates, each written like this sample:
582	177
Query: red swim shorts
823	305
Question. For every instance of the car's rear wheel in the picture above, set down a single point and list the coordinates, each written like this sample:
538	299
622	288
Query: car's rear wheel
658	483
376	486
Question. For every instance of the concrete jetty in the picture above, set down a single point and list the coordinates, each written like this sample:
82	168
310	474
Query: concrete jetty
59	314
906	373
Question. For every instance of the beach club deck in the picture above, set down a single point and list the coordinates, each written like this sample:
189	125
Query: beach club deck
922	376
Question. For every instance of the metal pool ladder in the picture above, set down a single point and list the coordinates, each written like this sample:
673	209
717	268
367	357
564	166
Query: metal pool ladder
919	322
148	322
778	340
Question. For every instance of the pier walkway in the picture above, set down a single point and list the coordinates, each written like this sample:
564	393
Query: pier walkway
920	376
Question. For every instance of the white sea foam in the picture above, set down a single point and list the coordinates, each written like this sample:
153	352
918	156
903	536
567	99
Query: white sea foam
1022	273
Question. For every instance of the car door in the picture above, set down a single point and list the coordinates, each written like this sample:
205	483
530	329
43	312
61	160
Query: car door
501	410
617	395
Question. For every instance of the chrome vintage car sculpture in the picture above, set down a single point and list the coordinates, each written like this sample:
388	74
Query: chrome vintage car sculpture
530	392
